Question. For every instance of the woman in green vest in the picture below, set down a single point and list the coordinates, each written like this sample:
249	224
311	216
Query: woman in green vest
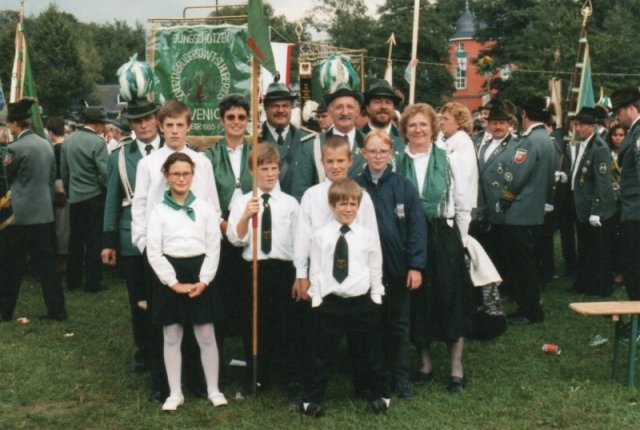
229	158
443	307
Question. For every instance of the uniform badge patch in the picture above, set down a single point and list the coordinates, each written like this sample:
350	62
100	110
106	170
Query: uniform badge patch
602	168
521	155
508	177
500	169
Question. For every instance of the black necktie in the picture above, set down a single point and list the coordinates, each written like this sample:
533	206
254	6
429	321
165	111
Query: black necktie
279	132
148	148
341	256
266	225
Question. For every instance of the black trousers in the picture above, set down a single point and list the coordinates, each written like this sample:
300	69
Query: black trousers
544	248
521	270
566	222
85	221
36	241
138	290
593	276
631	263
276	320
396	326
358	318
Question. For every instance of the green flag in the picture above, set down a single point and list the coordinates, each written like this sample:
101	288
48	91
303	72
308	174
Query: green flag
22	84
258	36
3	107
586	96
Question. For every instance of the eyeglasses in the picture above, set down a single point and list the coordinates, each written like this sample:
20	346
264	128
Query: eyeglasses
232	117
176	175
378	153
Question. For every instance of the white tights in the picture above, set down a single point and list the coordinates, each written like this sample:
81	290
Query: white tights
206	338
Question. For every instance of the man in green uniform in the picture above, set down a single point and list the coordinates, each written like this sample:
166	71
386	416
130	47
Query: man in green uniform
284	136
594	203
626	106
31	170
121	182
379	103
526	186
84	174
344	107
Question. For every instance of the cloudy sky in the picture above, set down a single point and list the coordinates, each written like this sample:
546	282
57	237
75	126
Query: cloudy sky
140	10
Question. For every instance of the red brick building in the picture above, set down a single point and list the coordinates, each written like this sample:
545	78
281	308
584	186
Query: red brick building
464	49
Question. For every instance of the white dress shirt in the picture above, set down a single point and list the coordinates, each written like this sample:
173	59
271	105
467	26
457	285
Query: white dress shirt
155	143
351	136
151	185
420	165
171	232
284	212
235	159
315	213
274	133
365	264
576	161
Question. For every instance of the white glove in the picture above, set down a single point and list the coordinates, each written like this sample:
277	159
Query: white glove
594	220
548	208
562	177
498	208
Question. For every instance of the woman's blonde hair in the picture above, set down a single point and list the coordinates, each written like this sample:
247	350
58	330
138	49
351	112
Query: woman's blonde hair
414	109
461	115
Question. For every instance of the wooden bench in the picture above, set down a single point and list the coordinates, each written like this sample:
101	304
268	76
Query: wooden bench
616	310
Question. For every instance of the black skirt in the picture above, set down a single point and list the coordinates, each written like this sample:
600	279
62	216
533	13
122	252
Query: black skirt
173	308
443	308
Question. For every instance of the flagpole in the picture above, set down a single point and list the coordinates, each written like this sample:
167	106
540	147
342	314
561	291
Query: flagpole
17	74
388	74
255	117
414	51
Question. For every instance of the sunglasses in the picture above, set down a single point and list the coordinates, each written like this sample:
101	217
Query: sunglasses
232	117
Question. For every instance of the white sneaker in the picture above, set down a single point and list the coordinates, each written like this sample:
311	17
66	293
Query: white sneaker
172	403
218	399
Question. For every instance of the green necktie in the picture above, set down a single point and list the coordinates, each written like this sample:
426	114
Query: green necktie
279	132
266	225
341	256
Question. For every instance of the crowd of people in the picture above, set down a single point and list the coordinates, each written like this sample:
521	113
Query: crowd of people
369	232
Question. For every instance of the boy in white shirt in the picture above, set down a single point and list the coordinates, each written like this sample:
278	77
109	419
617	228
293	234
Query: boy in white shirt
346	295
276	214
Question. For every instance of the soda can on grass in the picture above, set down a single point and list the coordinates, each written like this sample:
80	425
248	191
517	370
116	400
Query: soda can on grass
551	349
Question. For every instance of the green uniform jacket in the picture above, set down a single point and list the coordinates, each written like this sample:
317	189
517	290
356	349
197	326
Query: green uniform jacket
289	155
629	162
528	178
31	170
593	190
491	174
117	211
223	172
83	165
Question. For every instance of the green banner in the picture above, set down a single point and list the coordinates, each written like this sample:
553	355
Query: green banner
199	65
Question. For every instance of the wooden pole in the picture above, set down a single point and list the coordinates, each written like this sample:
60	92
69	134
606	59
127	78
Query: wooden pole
255	118
414	51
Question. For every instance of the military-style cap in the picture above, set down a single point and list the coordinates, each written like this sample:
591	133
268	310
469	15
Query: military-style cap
95	114
624	97
381	88
277	91
139	108
587	115
322	108
19	110
344	90
122	124
496	113
537	108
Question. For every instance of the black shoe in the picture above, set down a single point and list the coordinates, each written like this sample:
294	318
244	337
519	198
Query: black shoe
379	406
157	397
53	317
421	378
311	409
404	391
520	320
138	365
5	318
456	384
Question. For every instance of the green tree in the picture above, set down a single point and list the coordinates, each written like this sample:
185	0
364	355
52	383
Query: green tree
57	65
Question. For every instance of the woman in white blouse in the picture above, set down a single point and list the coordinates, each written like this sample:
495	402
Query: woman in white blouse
443	307
183	248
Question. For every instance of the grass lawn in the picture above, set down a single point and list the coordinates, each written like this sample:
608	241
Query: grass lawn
52	381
